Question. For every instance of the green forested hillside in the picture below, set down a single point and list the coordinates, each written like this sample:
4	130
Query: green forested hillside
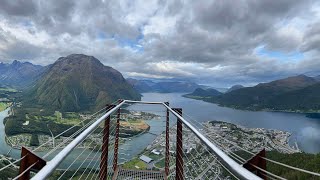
79	82
306	99
305	161
298	93
301	160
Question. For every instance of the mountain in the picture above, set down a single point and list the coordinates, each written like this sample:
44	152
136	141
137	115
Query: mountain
139	85
235	87
19	74
317	78
264	95
163	86
204	92
305	99
290	83
79	82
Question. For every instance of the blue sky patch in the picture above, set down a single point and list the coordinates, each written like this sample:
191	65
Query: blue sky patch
101	35
132	43
283	56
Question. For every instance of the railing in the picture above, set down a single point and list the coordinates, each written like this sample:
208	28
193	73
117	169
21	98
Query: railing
233	166
95	150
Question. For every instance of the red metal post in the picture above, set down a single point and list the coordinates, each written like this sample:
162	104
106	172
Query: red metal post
167	165
179	147
29	159
259	162
105	143
116	144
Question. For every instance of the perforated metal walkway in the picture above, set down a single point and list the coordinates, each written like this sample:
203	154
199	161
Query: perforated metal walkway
127	174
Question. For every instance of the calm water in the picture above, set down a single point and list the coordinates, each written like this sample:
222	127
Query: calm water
305	131
4	148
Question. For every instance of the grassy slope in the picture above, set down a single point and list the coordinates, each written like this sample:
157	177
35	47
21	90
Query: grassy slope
3	106
300	160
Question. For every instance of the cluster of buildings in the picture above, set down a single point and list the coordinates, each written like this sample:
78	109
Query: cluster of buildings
136	115
251	139
197	162
197	159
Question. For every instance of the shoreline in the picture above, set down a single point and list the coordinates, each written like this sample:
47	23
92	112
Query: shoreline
139	127
254	110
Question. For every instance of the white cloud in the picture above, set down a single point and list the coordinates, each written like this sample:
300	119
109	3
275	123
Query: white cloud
206	41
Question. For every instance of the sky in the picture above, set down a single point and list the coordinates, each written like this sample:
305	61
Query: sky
212	42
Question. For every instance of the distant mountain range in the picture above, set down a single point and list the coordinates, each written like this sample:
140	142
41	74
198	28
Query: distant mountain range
297	93
163	86
19	74
79	82
317	78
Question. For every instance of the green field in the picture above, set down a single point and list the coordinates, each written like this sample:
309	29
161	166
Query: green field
3	106
161	163
40	122
69	118
153	156
134	163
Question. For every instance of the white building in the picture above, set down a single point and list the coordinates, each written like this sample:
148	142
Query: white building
145	159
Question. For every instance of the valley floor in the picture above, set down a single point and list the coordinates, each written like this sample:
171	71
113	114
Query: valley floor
132	125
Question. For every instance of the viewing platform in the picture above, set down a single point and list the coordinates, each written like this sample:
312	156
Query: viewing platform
183	151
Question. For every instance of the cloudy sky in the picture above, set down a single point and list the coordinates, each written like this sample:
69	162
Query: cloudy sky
218	42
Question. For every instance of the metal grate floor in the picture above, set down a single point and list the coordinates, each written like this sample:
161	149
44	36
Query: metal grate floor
129	174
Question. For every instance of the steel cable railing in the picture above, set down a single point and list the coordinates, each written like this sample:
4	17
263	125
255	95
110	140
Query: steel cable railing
200	163
94	148
251	153
187	159
43	144
78	158
209	159
238	158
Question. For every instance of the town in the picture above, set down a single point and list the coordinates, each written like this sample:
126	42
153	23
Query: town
196	156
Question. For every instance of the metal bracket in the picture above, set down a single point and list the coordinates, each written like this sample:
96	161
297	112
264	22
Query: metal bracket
179	146
30	159
258	162
104	151
116	143
167	160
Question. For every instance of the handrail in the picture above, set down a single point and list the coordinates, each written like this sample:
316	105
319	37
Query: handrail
233	166
55	162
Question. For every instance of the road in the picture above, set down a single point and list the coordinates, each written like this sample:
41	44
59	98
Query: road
51	135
